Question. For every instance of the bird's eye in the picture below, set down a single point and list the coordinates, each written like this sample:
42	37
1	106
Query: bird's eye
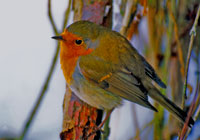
78	42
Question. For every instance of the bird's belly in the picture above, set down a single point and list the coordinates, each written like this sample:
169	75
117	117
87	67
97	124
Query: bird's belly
93	94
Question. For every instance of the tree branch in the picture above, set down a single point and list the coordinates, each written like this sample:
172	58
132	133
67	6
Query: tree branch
50	73
193	34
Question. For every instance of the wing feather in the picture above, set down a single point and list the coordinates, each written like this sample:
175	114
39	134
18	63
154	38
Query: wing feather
118	83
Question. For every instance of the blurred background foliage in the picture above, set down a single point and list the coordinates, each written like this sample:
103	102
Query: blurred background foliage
169	25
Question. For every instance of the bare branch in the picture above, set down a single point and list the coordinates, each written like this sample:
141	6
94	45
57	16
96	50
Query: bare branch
193	34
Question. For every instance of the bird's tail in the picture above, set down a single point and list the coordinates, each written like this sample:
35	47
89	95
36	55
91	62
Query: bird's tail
169	105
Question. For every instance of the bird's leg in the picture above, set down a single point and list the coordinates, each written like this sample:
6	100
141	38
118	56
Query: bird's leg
105	119
102	123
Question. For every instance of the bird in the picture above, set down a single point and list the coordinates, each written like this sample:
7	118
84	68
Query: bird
102	68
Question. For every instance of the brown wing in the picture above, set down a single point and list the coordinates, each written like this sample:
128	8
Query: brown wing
114	79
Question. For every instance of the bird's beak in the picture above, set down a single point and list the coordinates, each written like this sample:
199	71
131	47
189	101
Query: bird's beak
57	37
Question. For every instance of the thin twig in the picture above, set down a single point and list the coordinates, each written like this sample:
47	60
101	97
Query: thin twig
197	106
185	127
67	14
49	76
193	34
183	33
51	18
127	15
106	129
41	95
196	115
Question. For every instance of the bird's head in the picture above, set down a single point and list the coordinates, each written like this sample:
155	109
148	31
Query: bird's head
72	45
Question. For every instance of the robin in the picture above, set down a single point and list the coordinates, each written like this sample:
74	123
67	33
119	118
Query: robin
102	67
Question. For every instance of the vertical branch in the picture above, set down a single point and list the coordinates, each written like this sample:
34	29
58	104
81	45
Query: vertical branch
41	95
185	127
80	119
196	115
51	18
197	104
66	16
106	129
193	34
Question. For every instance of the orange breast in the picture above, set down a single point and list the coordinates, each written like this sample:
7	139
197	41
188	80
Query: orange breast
68	65
70	52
